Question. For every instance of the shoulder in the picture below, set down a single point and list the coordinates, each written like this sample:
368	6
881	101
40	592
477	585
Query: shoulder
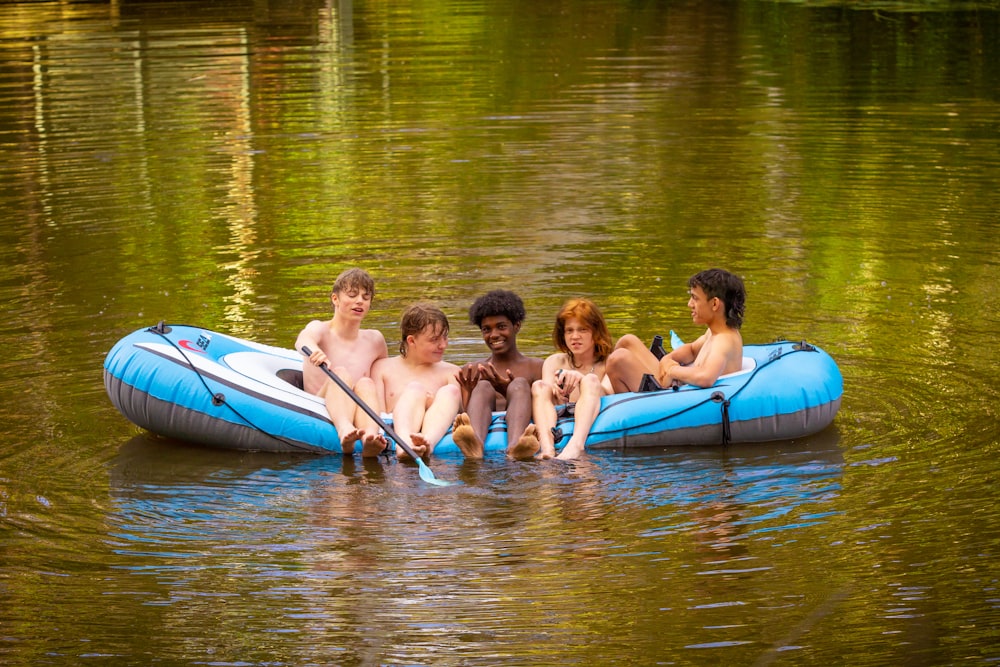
533	367
385	364
315	326
373	334
556	360
726	341
374	338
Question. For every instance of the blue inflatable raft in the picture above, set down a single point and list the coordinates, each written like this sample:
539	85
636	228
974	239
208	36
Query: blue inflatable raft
202	386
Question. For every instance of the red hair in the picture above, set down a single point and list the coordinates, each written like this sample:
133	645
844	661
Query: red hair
587	312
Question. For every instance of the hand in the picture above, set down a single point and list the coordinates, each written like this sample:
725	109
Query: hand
499	381
468	376
666	365
566	383
318	357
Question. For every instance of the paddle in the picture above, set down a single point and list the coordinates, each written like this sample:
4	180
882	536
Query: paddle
426	473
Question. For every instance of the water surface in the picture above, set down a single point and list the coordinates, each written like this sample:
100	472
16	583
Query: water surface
219	163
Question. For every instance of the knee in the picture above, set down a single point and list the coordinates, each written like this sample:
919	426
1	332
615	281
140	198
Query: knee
364	384
344	374
590	385
450	392
628	340
540	389
617	357
519	386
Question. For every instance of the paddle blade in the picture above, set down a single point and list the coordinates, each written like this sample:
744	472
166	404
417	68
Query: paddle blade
427	475
675	340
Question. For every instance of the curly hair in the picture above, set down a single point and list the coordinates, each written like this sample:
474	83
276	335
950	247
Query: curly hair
587	312
497	302
417	317
726	286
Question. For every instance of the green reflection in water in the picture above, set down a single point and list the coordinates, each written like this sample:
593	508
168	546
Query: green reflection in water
221	171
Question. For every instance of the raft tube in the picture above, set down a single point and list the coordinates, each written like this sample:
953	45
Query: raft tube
197	385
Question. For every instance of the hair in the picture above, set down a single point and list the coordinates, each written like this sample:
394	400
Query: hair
354	279
417	317
587	312
497	302
726	286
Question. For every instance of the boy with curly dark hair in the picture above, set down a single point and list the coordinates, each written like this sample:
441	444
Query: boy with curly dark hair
502	381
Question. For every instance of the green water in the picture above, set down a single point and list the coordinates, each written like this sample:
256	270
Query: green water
219	163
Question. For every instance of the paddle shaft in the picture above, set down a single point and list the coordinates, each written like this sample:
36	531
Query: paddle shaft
364	406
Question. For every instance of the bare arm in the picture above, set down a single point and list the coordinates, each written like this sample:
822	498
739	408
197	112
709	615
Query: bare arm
377	373
468	378
310	337
707	371
688	352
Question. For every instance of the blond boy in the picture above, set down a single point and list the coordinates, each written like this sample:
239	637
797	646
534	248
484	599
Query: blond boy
419	388
349	351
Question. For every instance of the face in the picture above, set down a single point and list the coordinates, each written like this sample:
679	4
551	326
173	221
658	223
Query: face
499	333
702	308
579	337
352	302
428	346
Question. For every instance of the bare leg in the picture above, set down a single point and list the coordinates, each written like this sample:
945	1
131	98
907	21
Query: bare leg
341	409
440	414
587	407
407	417
373	442
630	360
518	412
465	437
482	403
544	413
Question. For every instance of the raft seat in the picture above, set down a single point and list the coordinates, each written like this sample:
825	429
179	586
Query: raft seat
264	368
292	377
749	363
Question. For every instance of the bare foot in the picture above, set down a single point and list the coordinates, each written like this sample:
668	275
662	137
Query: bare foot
548	450
571	451
418	444
465	437
372	445
347	442
526	445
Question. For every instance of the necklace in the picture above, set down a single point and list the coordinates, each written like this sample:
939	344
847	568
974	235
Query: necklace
581	366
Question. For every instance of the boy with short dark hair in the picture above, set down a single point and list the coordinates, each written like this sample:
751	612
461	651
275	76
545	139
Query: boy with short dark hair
717	300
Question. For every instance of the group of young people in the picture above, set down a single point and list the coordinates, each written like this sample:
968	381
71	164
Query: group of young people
426	395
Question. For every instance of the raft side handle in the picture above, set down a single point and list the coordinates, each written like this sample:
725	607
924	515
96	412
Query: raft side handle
727	432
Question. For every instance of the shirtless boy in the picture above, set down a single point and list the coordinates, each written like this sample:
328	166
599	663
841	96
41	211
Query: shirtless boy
576	374
418	387
718	300
350	352
502	381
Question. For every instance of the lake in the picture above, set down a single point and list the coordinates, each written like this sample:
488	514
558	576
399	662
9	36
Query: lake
219	163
